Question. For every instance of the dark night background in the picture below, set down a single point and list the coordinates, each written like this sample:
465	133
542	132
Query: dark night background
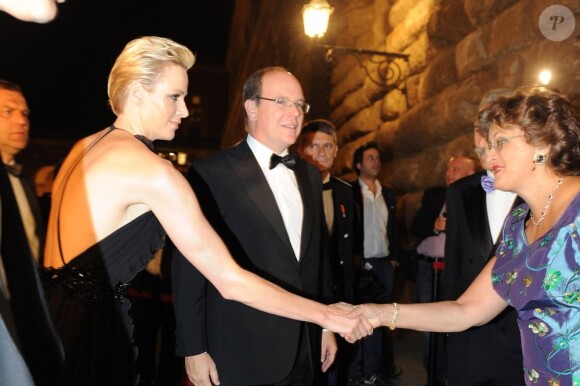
63	65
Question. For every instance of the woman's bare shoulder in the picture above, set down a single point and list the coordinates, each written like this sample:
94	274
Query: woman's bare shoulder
117	160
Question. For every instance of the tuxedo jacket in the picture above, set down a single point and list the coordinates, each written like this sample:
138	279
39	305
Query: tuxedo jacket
250	346
340	244
390	200
492	351
431	205
32	327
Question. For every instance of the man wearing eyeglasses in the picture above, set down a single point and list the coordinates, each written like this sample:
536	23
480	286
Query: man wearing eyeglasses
267	207
490	354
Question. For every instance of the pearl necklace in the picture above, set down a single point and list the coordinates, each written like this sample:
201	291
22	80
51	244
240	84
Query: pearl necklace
547	206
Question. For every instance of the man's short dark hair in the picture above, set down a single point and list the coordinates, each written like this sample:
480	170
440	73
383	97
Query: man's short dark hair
10	86
357	157
315	126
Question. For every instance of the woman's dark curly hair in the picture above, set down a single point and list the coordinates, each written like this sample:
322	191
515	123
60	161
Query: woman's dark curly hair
547	119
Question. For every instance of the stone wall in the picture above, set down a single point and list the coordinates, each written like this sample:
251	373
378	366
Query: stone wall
458	50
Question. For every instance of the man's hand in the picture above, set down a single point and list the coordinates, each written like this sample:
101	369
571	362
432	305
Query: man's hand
440	224
328	350
201	370
352	328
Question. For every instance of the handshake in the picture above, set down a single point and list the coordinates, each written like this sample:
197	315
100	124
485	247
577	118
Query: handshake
356	322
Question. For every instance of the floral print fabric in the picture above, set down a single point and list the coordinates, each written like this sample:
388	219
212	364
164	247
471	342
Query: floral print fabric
542	282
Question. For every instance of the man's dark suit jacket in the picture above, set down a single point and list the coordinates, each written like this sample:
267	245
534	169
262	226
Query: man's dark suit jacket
33	328
249	346
431	205
341	240
390	200
492	351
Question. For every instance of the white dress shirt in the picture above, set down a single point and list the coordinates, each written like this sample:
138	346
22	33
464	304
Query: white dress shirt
26	215
375	214
283	183
499	204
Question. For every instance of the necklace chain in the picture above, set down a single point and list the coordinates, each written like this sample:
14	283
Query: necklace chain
547	206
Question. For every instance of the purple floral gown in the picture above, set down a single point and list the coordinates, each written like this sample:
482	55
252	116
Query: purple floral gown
542	282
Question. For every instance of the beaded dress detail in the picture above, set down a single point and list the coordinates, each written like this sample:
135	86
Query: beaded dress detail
87	300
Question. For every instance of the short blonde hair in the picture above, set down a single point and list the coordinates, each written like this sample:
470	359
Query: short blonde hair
142	60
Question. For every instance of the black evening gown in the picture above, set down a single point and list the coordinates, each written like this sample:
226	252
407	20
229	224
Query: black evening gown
87	300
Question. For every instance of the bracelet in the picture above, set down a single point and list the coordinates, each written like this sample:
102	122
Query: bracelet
395	317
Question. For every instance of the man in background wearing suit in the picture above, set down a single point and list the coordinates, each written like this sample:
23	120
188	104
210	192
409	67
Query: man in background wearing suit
489	354
376	243
14	128
429	227
267	207
29	345
317	144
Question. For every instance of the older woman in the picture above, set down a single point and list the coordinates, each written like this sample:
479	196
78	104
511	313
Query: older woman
534	149
114	199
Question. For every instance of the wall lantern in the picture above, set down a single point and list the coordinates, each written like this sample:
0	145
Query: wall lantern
545	77
387	72
316	15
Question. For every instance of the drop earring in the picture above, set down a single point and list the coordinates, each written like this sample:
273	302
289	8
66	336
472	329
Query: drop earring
539	158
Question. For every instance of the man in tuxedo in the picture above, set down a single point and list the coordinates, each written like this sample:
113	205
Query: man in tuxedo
267	207
489	354
429	226
317	144
376	243
28	342
14	128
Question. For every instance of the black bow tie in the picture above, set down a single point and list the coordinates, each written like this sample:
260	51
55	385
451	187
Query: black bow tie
326	186
288	160
14	169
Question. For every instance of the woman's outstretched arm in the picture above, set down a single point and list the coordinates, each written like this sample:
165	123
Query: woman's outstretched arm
478	305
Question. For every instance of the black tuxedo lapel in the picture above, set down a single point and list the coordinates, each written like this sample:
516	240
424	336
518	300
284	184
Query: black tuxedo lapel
39	221
307	194
475	209
251	177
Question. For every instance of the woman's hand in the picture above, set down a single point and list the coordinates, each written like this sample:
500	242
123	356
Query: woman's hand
372	312
350	327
